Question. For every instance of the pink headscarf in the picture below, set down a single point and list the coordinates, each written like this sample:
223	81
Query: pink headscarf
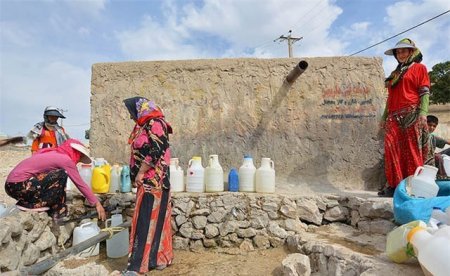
66	149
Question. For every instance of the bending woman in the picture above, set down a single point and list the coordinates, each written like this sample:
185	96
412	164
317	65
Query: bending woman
38	182
151	237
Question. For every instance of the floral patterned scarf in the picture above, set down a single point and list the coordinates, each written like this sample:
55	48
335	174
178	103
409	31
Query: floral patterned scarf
141	111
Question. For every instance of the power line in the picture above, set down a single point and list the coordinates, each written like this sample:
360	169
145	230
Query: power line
400	33
305	15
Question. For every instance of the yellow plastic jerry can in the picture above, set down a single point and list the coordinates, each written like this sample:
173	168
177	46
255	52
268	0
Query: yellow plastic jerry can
101	179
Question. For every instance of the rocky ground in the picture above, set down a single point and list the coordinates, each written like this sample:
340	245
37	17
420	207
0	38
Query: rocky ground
233	261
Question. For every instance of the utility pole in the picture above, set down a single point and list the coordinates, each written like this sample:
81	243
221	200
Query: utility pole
291	40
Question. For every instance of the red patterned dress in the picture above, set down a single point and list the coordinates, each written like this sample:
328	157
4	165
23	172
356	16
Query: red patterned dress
406	140
151	237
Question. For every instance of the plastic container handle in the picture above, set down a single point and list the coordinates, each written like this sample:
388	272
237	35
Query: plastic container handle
106	223
190	163
272	164
85	224
106	176
417	170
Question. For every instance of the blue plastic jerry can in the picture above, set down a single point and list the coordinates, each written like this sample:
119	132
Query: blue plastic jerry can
233	180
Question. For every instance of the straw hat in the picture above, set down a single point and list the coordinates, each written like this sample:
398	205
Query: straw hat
404	43
84	153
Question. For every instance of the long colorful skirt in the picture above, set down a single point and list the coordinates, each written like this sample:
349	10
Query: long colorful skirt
151	233
43	190
405	145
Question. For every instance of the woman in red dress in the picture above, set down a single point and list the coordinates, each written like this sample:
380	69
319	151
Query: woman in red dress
151	237
405	116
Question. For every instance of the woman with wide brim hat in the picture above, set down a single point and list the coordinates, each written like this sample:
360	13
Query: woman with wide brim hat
405	115
38	182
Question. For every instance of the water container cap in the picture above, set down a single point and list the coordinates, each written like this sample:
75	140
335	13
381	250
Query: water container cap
85	165
197	158
413	231
247	156
437	208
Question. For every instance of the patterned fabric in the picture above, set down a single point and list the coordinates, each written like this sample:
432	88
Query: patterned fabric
405	144
60	134
151	234
401	69
44	190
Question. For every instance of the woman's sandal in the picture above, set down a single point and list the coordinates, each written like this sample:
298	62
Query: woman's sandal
387	192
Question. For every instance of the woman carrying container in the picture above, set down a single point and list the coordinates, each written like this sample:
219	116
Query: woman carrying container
38	182
405	116
150	237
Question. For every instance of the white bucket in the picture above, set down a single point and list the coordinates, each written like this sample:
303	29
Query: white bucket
195	178
214	175
423	184
117	246
247	175
176	176
265	177
84	232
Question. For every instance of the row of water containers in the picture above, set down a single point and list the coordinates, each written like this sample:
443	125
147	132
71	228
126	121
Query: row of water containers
211	178
103	178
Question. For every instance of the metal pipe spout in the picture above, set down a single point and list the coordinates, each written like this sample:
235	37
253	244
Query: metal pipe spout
297	71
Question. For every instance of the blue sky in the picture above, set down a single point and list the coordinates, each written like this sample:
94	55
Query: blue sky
47	47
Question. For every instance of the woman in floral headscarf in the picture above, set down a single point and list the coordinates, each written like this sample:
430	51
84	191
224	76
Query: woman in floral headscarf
151	237
405	115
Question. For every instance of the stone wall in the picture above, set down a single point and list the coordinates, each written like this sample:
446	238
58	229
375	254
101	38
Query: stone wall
27	238
321	129
251	221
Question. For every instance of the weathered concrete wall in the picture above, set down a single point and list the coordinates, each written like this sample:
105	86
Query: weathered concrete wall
322	130
443	113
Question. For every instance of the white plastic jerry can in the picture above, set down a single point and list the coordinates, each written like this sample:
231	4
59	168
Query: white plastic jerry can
247	175
265	177
117	246
195	176
214	175
176	176
83	232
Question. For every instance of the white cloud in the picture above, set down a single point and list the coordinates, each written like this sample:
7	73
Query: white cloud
154	41
41	83
433	37
240	25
